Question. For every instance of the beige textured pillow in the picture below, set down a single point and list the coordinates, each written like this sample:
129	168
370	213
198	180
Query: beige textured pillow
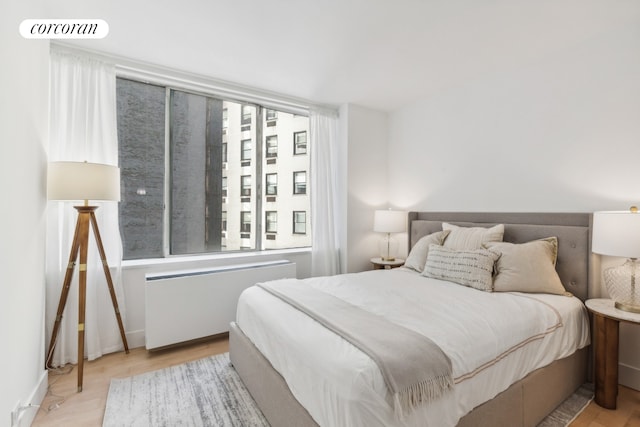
463	238
418	255
472	268
527	267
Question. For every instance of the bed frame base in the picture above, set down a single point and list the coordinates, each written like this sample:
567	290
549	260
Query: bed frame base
525	403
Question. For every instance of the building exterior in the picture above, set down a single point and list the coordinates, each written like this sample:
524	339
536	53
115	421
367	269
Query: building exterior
265	172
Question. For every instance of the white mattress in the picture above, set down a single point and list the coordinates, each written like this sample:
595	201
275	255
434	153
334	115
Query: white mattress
492	339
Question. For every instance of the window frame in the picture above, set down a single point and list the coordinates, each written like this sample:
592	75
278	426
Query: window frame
272	222
295	186
294	229
245	190
267	139
295	143
267	184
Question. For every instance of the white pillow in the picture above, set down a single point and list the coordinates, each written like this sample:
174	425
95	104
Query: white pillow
464	238
472	268
418	255
527	267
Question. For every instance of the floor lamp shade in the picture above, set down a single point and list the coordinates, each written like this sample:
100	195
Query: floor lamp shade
389	221
617	233
83	181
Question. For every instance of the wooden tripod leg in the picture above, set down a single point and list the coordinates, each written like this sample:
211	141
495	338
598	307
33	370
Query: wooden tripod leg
82	291
64	294
107	274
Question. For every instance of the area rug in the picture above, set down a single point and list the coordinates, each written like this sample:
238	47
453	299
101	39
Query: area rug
209	392
202	393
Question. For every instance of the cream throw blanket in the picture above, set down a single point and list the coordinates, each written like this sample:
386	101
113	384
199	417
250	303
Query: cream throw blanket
414	368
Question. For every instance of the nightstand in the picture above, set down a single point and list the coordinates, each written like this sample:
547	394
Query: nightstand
607	320
380	264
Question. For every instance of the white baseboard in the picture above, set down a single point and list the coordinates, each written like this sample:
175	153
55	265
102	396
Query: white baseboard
629	376
33	402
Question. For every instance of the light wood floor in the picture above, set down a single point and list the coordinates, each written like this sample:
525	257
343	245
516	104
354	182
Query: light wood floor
64	407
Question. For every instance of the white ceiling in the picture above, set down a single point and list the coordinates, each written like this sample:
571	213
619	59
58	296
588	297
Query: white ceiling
381	54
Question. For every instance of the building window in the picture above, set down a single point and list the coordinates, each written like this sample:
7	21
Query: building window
245	154
245	185
183	182
246	115
245	222
299	222
271	221
272	184
271	114
272	146
300	142
300	182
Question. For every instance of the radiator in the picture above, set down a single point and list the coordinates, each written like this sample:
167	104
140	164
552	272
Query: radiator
186	305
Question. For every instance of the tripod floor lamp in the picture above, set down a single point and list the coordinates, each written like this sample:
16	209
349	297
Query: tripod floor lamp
83	181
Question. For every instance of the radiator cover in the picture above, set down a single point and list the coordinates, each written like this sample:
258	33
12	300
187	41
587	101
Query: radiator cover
185	305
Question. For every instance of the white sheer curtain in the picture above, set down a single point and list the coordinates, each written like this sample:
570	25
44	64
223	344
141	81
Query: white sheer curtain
325	215
83	127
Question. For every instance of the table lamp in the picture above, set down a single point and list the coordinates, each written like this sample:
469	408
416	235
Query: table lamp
83	181
389	221
617	233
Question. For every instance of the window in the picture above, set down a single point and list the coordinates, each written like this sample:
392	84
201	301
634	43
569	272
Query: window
300	182
246	115
299	222
300	142
245	186
271	115
245	154
245	222
271	221
272	146
184	187
141	140
272	184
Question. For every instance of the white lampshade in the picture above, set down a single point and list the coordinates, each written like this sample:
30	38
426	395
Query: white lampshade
83	181
388	221
616	233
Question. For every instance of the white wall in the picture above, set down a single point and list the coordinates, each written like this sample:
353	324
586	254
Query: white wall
23	129
561	134
364	131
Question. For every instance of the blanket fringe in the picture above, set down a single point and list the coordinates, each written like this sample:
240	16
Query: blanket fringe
408	399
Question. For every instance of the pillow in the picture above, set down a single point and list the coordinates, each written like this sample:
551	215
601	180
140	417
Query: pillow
472	268
418	255
464	238
527	267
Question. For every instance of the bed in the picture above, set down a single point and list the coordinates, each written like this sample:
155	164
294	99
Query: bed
302	374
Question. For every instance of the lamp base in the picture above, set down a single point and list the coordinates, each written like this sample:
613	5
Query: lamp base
621	284
388	248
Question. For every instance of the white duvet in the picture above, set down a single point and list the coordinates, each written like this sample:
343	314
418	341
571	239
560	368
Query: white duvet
492	339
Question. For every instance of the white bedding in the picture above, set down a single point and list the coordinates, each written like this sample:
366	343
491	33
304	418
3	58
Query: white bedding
492	339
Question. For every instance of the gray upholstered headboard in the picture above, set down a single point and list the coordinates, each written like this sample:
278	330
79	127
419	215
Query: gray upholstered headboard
573	231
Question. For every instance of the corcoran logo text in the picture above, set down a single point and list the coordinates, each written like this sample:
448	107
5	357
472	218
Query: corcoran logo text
64	28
